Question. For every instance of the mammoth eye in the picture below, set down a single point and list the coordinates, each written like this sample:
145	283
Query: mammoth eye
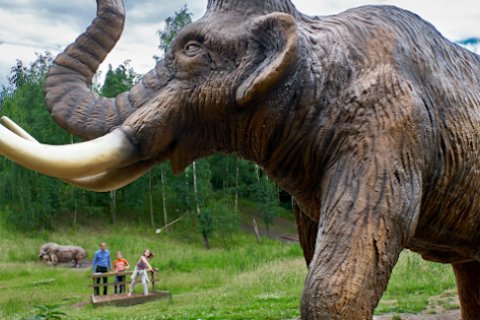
192	47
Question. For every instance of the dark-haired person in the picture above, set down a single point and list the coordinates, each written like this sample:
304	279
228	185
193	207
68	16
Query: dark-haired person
141	268
102	264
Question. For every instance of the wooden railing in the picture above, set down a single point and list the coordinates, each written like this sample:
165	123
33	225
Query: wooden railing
111	282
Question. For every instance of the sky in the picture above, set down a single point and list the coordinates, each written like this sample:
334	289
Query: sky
28	27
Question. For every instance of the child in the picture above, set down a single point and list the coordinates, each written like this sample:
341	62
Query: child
119	266
141	268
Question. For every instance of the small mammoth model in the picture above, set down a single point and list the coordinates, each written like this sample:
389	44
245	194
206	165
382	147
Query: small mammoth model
53	253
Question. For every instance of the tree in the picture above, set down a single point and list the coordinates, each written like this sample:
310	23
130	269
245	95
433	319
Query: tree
266	196
173	26
202	192
119	80
32	199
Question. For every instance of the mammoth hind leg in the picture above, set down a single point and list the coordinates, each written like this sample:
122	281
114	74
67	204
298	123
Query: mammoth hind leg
468	285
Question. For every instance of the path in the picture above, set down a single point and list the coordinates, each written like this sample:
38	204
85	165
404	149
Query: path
445	315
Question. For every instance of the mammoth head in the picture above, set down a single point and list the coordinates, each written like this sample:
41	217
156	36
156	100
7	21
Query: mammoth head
210	93
47	248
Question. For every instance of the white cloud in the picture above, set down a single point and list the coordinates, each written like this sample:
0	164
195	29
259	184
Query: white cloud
454	19
33	30
9	55
29	26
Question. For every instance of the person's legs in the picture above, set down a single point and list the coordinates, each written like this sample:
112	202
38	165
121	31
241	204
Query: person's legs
145	283
97	291
134	279
121	279
115	286
105	282
100	269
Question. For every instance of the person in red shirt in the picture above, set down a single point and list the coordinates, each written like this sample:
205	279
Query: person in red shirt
119	266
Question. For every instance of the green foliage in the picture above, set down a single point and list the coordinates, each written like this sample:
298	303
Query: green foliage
48	312
30	199
194	276
225	219
172	26
119	80
237	279
413	282
266	196
218	217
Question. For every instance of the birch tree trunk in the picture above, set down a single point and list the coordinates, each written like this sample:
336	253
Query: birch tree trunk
164	198
113	205
152	216
237	177
75	209
75	205
255	228
197	206
187	189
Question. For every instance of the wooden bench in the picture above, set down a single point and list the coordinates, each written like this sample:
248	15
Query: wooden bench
123	299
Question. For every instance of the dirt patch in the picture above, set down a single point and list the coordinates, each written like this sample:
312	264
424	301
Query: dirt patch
282	229
80	304
83	265
445	315
442	307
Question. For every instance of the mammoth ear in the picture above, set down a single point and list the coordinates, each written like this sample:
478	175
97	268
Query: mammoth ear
277	36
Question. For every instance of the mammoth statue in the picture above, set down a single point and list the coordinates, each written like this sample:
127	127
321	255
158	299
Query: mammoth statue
370	119
53	253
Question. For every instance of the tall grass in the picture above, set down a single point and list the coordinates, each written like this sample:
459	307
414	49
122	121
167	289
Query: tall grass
237	279
413	282
200	281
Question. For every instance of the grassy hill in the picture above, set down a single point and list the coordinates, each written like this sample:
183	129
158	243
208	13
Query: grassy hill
237	279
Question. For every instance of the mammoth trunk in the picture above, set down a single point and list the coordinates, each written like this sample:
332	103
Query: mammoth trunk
69	98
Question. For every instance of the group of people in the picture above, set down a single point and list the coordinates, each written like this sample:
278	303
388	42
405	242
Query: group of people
102	263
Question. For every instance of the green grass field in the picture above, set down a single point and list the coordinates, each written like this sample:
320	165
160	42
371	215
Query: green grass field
236	279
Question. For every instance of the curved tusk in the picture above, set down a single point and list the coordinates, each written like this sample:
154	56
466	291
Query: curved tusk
15	128
68	161
114	179
103	182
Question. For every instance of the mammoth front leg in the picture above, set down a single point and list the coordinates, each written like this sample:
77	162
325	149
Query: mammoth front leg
468	284
366	218
54	259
